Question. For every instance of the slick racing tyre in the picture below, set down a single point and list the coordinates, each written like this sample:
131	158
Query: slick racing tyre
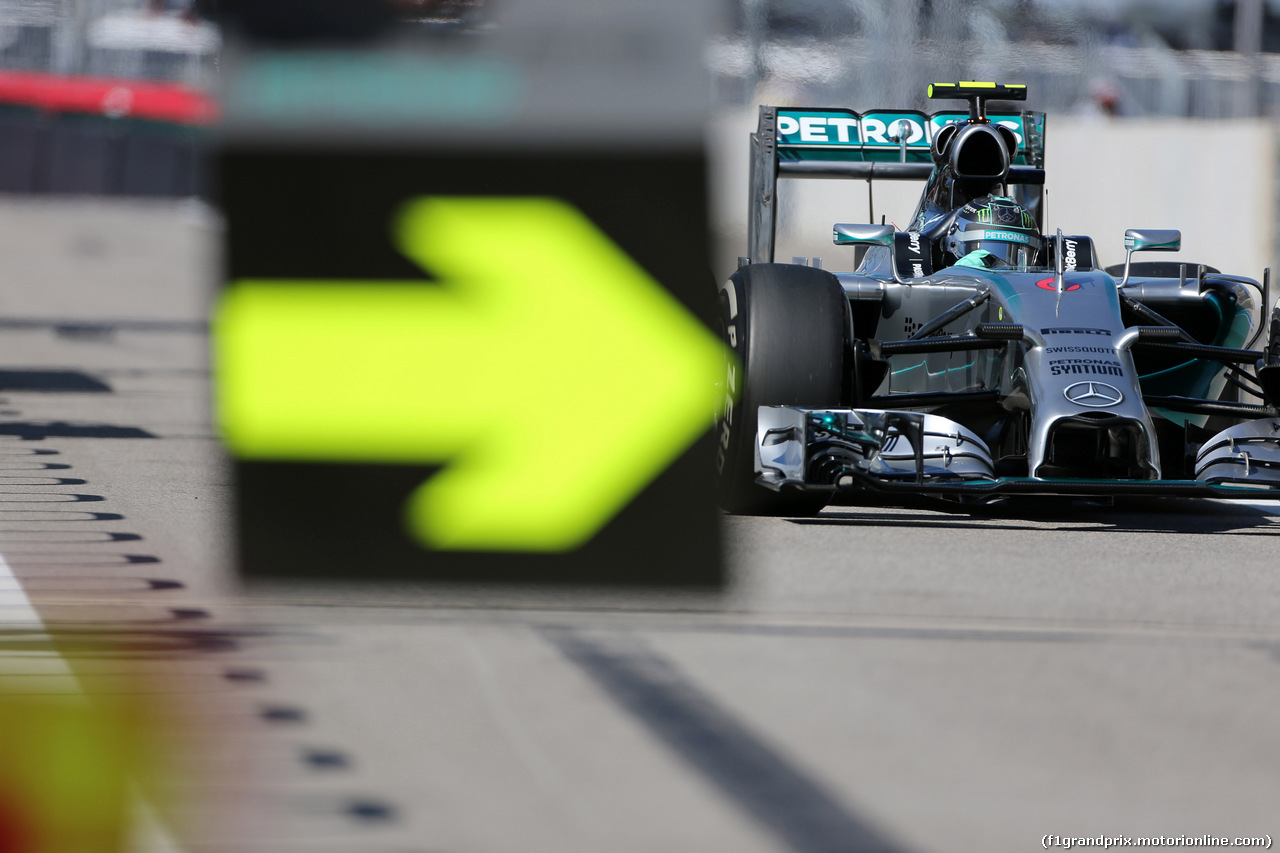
786	326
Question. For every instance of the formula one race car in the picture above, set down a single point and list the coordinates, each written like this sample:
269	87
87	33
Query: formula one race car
973	356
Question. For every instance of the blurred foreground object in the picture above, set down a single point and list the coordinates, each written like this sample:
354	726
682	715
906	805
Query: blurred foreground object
463	333
70	768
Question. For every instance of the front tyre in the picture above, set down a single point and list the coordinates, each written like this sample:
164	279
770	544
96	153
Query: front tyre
786	326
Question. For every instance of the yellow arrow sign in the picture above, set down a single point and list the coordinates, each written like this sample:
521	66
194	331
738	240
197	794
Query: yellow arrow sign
547	369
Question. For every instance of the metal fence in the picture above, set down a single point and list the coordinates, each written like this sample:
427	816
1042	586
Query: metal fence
859	53
851	52
136	39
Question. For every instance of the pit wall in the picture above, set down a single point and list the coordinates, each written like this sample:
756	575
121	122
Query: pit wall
75	135
1215	180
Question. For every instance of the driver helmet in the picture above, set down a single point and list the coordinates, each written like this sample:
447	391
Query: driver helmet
998	228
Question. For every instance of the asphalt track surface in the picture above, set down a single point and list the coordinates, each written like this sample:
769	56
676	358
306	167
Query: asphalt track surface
874	679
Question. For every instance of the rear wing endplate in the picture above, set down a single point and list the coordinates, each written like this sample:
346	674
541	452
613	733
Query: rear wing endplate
890	145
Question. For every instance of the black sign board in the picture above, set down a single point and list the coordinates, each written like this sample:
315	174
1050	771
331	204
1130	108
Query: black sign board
478	355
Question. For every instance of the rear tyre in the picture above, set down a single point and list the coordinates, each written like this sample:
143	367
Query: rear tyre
786	326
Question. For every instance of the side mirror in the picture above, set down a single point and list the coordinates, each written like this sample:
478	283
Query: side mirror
1148	240
861	234
1152	240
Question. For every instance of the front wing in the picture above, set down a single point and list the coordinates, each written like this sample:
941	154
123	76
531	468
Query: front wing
888	452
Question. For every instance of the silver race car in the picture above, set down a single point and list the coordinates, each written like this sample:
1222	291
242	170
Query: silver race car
975	356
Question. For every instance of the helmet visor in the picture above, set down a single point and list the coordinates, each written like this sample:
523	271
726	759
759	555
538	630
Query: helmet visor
1013	248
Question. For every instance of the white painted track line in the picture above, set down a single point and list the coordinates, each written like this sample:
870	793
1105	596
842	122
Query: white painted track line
16	609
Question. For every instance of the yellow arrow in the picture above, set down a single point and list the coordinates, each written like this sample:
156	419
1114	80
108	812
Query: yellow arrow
547	369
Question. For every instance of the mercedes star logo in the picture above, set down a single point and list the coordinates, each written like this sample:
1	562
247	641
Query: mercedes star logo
1095	395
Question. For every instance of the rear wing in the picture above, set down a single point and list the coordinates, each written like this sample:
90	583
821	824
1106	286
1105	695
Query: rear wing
891	145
